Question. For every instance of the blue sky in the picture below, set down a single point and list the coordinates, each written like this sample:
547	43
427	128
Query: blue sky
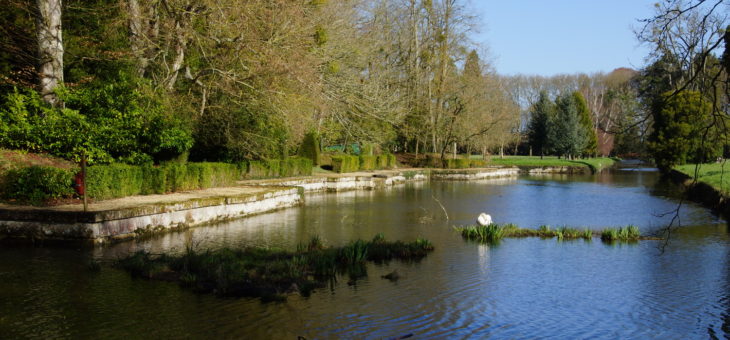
549	37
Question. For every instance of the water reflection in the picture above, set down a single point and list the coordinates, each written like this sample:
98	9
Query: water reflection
521	288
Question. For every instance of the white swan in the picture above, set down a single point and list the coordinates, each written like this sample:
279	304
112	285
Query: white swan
484	219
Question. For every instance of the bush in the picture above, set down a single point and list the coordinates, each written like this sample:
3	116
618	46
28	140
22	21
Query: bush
382	161
115	180
120	180
36	184
368	162
345	163
391	161
310	147
154	181
256	169
106	121
296	166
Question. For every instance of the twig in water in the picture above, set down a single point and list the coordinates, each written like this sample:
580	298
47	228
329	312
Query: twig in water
441	205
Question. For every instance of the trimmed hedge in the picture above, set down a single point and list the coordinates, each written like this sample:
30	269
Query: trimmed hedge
36	184
368	162
345	163
296	166
121	180
310	147
270	168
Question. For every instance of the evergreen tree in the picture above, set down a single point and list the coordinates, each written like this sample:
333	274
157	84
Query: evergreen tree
539	128
584	114
567	135
684	130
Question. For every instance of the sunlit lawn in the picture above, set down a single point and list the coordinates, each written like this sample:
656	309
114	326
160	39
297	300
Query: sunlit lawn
714	174
595	163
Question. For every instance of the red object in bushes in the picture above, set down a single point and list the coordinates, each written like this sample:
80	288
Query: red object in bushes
79	184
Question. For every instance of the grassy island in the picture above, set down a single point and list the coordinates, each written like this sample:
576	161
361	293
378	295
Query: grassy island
268	273
493	233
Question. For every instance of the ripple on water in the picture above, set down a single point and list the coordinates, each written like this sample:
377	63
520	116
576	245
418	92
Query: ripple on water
521	288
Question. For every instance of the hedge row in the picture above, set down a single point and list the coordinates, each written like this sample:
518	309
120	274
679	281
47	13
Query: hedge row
36	184
346	163
463	163
120	180
290	167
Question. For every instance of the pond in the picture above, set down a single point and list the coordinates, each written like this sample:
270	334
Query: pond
520	288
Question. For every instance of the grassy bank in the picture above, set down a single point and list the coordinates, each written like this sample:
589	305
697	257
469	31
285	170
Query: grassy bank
595	164
716	175
271	274
493	233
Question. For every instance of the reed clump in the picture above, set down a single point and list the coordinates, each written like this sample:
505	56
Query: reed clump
629	233
493	233
270	274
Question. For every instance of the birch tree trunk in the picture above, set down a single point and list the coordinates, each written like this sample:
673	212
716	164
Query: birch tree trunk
50	49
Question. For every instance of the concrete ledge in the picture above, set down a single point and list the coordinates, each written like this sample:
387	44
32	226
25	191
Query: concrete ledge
140	215
474	174
103	225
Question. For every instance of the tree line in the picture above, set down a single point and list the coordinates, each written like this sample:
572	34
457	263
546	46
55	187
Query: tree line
140	81
146	81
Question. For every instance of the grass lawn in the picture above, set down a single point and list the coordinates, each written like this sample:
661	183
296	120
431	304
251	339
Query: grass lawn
714	174
593	163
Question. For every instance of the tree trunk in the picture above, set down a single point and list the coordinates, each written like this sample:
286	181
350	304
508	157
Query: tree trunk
179	58
50	49
136	32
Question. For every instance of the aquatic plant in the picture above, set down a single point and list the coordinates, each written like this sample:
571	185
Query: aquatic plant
625	234
483	233
355	252
587	234
494	232
270	273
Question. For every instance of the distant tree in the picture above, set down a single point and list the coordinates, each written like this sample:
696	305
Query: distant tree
684	129
539	129
567	135
584	115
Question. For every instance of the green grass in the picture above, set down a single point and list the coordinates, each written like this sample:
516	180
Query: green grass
493	233
593	163
270	273
715	174
625	234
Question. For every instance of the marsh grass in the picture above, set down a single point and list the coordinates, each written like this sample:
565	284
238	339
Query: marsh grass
629	233
493	233
270	273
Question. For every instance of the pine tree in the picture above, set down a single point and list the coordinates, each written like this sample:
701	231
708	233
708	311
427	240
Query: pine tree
566	133
539	128
584	114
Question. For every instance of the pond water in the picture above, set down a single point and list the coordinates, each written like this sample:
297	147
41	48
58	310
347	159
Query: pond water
520	288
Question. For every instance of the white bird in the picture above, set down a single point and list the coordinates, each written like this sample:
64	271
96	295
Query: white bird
484	219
